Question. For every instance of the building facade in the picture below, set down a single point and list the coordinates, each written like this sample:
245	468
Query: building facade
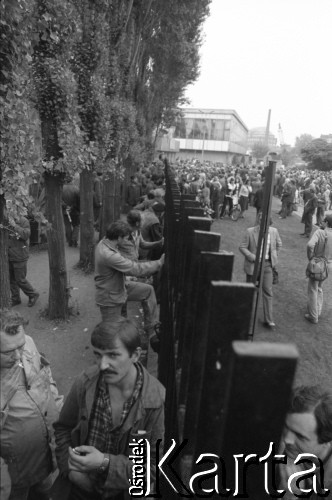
216	135
257	135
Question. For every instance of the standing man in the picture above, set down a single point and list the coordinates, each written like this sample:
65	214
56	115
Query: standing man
319	245
71	212
29	405
258	199
286	199
248	248
97	198
112	289
308	429
18	255
134	192
110	404
310	200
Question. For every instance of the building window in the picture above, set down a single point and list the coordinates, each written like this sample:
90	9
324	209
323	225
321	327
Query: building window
203	129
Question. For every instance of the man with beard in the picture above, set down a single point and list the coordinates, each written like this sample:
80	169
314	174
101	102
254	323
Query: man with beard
308	429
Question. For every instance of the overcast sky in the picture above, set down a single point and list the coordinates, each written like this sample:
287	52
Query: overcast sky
269	54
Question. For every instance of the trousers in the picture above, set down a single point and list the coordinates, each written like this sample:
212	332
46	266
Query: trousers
39	491
18	280
267	291
315	299
137	292
307	219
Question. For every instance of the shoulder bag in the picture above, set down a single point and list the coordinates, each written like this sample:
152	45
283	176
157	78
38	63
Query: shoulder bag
317	268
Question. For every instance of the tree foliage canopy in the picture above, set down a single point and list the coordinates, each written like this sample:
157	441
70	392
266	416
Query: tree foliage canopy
319	154
259	150
302	141
109	73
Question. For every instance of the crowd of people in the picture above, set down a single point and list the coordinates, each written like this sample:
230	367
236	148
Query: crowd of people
80	447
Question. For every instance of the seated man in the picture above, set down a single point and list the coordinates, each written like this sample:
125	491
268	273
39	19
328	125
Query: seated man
112	402
308	429
29	405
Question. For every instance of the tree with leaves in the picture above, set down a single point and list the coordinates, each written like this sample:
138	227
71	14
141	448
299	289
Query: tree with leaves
18	149
259	150
302	141
319	154
54	89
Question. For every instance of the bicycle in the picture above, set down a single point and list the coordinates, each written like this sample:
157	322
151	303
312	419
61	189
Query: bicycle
235	211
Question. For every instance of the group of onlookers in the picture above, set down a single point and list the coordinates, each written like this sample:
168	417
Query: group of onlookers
220	187
81	447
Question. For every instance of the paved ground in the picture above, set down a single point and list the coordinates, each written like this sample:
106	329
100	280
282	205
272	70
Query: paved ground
67	344
314	342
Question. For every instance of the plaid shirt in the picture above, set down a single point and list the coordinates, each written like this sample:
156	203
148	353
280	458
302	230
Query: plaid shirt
102	434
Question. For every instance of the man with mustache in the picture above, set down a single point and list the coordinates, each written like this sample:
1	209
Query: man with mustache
111	403
308	429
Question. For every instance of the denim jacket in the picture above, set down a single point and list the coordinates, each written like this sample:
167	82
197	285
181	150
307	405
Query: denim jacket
72	428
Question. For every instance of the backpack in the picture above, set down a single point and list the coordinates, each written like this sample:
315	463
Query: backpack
317	268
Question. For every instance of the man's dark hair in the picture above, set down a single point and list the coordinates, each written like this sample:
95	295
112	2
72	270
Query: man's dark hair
313	399
10	321
133	217
117	229
106	332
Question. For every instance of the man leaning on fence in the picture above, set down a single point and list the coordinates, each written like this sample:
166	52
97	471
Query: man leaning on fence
112	289
319	245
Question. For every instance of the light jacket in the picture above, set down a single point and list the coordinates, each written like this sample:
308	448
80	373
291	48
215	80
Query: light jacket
111	268
317	245
30	403
72	428
18	245
249	243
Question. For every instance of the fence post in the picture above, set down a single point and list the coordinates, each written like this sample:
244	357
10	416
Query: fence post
211	266
258	389
228	319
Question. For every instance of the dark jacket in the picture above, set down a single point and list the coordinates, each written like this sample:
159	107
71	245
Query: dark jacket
72	428
18	245
133	194
258	198
71	196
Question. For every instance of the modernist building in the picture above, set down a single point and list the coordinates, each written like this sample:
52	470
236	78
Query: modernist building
216	135
257	135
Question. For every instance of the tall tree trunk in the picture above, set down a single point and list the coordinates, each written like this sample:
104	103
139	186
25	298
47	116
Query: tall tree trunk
59	290
4	268
108	212
86	220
